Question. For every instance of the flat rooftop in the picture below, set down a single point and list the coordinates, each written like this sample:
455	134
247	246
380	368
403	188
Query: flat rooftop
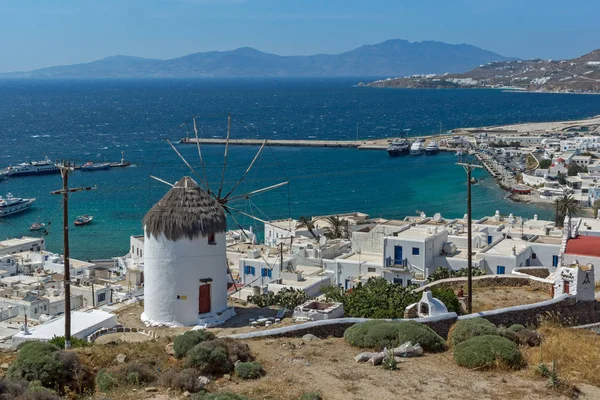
548	240
591	223
19	241
504	248
366	257
416	234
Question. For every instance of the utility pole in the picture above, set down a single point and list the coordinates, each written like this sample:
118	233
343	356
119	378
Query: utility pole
66	167
281	260
469	168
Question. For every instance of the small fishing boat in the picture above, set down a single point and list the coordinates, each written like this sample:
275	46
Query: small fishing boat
37	226
83	220
90	166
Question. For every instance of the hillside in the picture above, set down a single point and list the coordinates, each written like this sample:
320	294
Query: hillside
389	58
578	75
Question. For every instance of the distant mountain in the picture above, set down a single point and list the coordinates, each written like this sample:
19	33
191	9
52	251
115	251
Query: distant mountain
578	75
390	58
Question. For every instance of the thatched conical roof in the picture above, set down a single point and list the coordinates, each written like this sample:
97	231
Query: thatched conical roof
186	211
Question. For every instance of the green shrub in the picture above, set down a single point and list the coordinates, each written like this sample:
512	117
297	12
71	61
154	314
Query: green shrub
106	381
311	396
488	351
249	370
527	337
184	380
444	273
134	373
59	341
379	334
289	298
466	329
516	327
507	333
378	298
53	368
219	396
209	361
449	298
184	343
11	389
236	349
36	391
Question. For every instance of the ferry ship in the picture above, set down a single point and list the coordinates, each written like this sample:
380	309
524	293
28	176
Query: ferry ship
12	205
32	168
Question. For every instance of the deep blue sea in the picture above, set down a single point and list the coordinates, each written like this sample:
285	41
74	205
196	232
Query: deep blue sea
94	120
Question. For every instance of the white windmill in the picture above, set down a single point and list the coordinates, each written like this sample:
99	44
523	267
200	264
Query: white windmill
186	269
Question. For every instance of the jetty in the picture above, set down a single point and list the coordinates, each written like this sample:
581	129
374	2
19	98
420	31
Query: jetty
351	144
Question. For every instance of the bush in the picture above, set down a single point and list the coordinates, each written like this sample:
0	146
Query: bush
468	328
449	298
488	351
106	381
185	380
236	350
53	368
516	327
59	341
184	343
444	273
311	396
209	360
508	334
11	389
135	373
380	334
289	298
219	396
37	392
249	370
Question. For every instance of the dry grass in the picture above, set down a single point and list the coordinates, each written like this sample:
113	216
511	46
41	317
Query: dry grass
493	298
575	351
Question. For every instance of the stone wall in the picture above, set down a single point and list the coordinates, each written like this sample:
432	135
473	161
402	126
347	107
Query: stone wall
492	281
538	272
120	329
563	309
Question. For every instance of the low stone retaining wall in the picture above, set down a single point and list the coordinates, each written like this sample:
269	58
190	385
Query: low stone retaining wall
563	309
492	281
104	331
336	327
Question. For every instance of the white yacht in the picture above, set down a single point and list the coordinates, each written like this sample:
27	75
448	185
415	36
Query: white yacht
416	148
432	148
12	205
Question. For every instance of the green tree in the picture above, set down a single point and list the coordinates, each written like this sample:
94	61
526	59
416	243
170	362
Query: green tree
561	178
565	205
595	207
545	164
338	228
574	169
307	222
378	298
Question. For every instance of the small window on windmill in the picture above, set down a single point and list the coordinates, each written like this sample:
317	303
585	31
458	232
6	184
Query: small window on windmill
211	238
424	308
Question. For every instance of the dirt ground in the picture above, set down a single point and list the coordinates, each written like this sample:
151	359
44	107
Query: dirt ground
485	299
327	366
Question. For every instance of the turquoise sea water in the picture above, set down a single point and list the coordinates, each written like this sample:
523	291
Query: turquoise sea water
96	120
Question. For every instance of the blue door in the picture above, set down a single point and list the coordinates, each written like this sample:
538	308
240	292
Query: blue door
528	262
397	254
490	239
500	270
555	261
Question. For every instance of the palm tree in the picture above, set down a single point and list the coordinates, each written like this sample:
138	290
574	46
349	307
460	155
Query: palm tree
307	222
338	228
566	205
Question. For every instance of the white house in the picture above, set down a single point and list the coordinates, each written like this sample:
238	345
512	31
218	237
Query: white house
185	264
18	245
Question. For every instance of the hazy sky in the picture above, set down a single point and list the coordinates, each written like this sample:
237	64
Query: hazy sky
39	33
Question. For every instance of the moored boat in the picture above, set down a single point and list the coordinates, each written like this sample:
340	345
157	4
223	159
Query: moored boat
432	148
12	205
83	220
37	226
398	147
90	166
42	167
416	148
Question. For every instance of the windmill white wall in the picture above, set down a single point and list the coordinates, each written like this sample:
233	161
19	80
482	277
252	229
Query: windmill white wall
174	272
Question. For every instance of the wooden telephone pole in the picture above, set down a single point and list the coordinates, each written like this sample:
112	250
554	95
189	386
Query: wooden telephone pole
66	167
469	168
